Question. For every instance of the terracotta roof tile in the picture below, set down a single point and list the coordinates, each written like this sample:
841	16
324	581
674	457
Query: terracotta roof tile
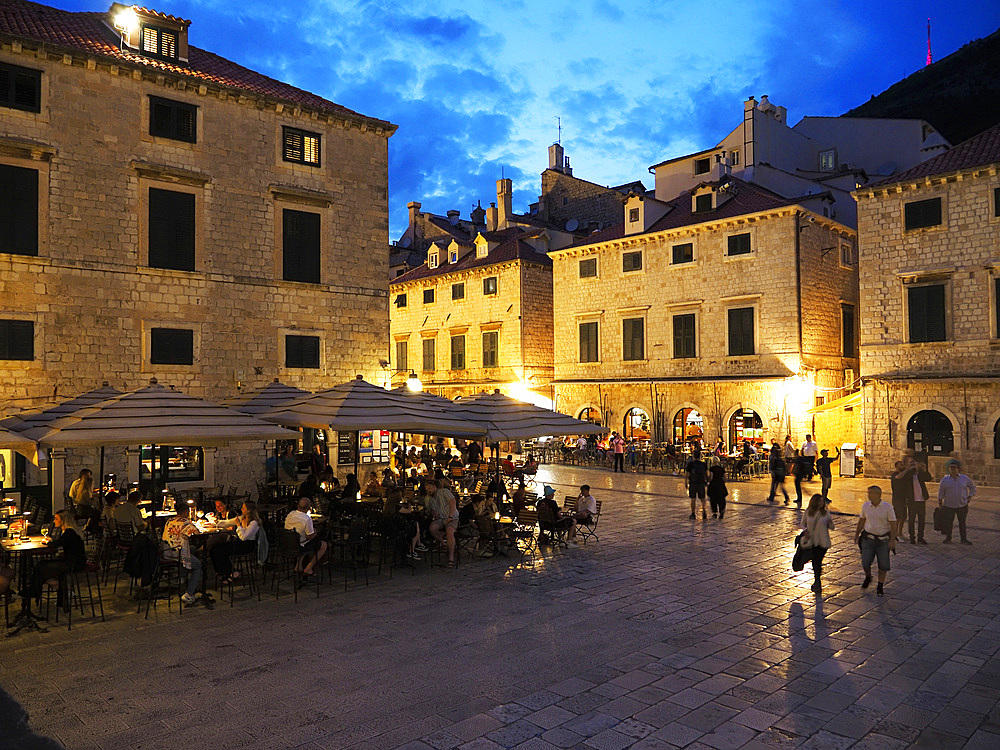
511	248
85	32
978	151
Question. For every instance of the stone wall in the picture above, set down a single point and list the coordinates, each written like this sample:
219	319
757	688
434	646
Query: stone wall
565	197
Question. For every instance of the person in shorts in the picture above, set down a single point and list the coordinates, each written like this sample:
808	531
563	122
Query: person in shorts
876	535
441	504
696	479
313	548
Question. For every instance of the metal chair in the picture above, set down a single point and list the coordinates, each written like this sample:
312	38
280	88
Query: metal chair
588	529
353	549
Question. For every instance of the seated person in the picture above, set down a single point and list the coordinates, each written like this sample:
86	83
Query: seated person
441	505
128	512
108	514
520	499
548	500
388	481
248	524
372	486
222	513
177	534
507	466
74	555
313	548
455	467
586	506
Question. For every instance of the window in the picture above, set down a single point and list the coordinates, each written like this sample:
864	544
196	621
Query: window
490	285
171	229
171	346
402	348
848	336
18	210
996	303
848	257
401	300
920	214
926	314
429	353
432	260
683	253
703	166
996	202
300	246
741	343
828	161
20	88
996	439
159	42
684	336
300	146
633	339
588	268
302	351
458	291
174	120
739	244
491	349
632	261
633	215
458	352
179	463
17	340
930	432
734	157
588	342
428	296
703	202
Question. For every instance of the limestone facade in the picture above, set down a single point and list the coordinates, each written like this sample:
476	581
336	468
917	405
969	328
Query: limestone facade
930	346
90	292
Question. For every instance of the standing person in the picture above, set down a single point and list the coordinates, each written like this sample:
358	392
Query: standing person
776	466
810	450
954	493
441	504
696	478
618	446
800	470
475	453
317	460
901	486
876	535
816	524
789	452
916	511
82	494
824	471
716	489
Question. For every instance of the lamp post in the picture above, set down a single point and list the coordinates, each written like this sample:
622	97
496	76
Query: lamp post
413	383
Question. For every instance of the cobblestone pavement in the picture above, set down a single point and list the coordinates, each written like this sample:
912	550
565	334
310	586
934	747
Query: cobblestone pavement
665	633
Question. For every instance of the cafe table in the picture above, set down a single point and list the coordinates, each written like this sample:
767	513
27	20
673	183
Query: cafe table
22	552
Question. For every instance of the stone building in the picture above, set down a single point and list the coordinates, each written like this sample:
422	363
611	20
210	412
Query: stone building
725	311
930	311
166	212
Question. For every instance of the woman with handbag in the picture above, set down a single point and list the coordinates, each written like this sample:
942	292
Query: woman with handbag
816	526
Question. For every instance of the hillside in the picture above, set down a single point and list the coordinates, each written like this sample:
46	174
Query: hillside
959	94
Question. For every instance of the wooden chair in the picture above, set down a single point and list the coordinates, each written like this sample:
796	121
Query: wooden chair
524	533
589	529
549	525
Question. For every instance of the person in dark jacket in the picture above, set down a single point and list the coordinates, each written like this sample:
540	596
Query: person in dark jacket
776	465
801	469
717	487
74	555
916	503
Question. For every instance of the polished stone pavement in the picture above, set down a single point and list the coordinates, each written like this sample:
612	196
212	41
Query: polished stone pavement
665	633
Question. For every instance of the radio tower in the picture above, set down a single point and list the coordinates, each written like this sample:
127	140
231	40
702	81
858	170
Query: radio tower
929	58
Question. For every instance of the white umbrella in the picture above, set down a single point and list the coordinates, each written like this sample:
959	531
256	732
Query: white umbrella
265	399
12	441
506	418
30	421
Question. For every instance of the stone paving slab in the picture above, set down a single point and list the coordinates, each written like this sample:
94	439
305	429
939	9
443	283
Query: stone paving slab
665	633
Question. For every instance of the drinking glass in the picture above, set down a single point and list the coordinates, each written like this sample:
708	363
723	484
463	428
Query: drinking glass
45	530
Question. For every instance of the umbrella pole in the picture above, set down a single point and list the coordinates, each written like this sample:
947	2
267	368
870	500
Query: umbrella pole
100	493
357	451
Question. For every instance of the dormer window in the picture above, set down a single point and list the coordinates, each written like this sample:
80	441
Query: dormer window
300	146
703	203
432	260
159	42
453	256
482	249
149	32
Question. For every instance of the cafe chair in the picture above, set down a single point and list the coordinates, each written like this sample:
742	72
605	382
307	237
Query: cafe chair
244	565
124	537
171	577
523	534
547	524
78	590
352	549
589	529
289	551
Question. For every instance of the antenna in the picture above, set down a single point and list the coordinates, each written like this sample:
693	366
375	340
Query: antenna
930	59
559	139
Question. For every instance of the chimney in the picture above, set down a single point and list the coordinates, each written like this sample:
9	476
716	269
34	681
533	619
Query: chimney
491	218
479	216
504	198
556	158
414	208
453	215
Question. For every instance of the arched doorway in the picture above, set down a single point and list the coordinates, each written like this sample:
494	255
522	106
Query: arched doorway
636	424
930	432
689	426
589	414
745	424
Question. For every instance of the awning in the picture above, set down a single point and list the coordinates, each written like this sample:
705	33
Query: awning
843	402
506	418
265	399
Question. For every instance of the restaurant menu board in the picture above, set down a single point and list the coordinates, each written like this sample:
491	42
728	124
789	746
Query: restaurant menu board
375	446
347	446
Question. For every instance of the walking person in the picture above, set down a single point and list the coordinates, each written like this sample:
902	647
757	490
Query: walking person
800	470
916	510
876	535
789	451
716	489
618	446
901	485
809	451
776	465
824	471
954	493
696	479
817	523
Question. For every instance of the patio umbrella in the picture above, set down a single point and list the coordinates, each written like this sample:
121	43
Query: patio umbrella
265	399
10	440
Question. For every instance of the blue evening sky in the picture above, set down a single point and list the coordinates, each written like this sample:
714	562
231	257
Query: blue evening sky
475	86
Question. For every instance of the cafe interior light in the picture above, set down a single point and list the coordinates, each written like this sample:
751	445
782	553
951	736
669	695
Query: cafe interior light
413	383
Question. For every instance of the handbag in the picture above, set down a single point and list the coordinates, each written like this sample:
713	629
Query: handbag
801	554
939	519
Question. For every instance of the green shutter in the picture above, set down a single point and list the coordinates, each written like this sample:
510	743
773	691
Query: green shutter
17	340
18	210
300	246
171	230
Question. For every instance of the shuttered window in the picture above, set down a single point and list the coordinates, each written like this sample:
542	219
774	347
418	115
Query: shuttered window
848	331
458	352
17	340
402	350
632	261
926	313
171	229
171	346
703	203
20	88
741	338
174	120
738	244
996	304
159	42
18	210
400	300
300	246
588	268
920	214
428	296
633	339
302	352
684	336
300	146
458	291
491	349
429	353
588	342
683	253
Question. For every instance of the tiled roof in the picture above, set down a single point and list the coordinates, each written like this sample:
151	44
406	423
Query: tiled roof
86	33
512	247
746	199
978	151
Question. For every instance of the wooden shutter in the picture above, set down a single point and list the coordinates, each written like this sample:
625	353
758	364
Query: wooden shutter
632	348
490	347
588	342
401	356
171	346
741	332
300	247
684	336
302	351
458	352
18	210
429	355
17	340
926	313
20	88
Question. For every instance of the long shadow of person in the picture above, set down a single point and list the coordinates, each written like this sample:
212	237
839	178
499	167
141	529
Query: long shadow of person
14	729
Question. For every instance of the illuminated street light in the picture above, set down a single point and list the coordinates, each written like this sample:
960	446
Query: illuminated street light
413	383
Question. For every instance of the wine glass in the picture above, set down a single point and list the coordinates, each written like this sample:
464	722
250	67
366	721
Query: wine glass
45	530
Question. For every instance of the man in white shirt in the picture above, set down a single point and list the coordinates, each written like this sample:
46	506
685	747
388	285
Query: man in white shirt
586	506
810	450
313	548
876	534
953	497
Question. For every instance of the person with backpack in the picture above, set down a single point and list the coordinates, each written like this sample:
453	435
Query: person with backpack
776	465
696	479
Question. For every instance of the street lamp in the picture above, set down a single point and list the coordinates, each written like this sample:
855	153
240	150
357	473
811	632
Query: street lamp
413	383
